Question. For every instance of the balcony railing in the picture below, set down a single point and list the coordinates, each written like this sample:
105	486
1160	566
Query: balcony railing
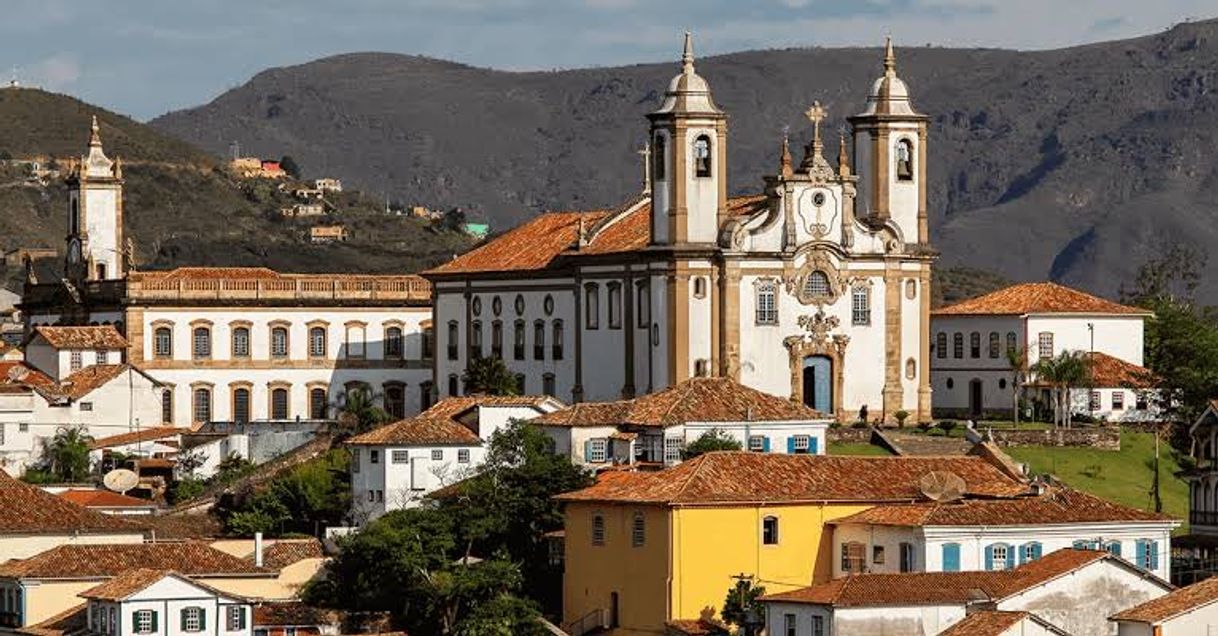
303	287
1203	518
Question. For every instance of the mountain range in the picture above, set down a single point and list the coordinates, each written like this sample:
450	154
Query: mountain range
1076	164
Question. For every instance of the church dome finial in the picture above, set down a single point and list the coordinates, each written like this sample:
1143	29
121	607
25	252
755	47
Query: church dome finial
889	94
890	59
95	135
688	92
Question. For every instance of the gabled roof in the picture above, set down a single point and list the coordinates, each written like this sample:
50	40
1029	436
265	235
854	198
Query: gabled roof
142	435
91	378
694	400
25	509
89	561
1058	505
1173	604
439	424
541	242
948	588
93	498
737	477
996	623
1112	372
1037	298
19	376
92	337
292	614
285	552
133	581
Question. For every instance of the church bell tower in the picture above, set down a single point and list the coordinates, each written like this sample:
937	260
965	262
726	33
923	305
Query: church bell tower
890	155
95	216
689	155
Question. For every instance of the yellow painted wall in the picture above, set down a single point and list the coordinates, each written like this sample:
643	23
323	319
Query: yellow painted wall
639	575
710	545
52	597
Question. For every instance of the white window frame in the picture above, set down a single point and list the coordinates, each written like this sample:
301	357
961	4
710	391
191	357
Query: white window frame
998	557
462	455
75	361
1028	552
1095	401
1044	344
400	456
672	450
437	454
143	621
1118	400
598	450
235	615
766	303
192	619
802	444
860	306
103	356
756	443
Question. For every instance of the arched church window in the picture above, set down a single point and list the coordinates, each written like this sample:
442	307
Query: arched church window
659	151
817	284
974	345
911	369
163	342
957	345
592	306
74	218
994	346
615	304
702	156
860	306
941	345
905	162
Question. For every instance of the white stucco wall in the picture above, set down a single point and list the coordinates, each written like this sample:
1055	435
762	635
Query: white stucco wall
396	483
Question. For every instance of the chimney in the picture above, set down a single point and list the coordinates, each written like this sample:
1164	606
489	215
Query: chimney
258	549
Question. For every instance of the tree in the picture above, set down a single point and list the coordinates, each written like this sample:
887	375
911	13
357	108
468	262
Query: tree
489	376
68	454
232	468
741	606
712	440
300	499
1017	361
1067	370
359	411
289	165
453	220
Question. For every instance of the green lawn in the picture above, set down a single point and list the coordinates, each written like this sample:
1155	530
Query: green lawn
1124	477
856	449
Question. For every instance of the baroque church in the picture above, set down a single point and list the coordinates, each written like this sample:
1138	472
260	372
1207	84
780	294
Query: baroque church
816	288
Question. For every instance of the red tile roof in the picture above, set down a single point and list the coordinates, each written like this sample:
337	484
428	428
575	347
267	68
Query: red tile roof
1112	372
1058	505
994	623
89	379
70	621
285	552
727	477
291	614
540	242
696	627
16	375
95	337
90	498
694	400
439	424
142	435
132	581
947	588
86	561
1175	603
25	509
1037	298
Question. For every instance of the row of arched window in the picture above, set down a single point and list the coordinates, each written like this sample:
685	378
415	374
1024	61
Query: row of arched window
279	401
278	343
519	342
548	385
993	344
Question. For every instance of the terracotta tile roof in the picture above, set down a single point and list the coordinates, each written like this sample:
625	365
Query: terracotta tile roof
291	614
73	620
168	527
946	588
694	400
90	498
25	509
696	627
1112	372
1037	298
87	561
188	274
19	375
540	242
1175	603
142	435
439	425
96	337
133	581
89	379
285	552
727	477
986	623
1058	505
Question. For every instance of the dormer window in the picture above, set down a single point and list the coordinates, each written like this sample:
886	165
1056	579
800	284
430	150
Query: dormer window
905	162
702	156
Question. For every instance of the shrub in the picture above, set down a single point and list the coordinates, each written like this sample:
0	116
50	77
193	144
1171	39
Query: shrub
946	426
925	426
936	432
1094	471
901	417
859	424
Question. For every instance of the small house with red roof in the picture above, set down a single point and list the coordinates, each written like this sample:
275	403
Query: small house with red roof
972	374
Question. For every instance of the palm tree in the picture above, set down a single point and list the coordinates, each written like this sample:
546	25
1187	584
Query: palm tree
1062	373
68	453
1017	359
360	412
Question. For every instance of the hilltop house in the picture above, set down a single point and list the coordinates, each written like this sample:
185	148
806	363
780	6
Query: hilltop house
971	373
655	428
398	464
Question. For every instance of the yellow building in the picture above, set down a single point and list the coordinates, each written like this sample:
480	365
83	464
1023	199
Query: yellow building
644	549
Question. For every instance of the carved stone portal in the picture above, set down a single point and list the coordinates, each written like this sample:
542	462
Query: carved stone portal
818	342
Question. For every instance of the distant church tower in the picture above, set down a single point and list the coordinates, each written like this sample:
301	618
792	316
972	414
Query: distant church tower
689	151
95	216
890	155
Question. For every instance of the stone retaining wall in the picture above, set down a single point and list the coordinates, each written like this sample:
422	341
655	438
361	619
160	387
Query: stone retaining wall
847	435
1101	437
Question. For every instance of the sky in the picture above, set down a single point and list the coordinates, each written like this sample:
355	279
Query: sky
147	57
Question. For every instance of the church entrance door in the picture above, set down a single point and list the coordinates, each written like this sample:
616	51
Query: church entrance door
818	383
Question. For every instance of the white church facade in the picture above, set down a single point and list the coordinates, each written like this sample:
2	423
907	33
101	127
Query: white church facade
816	288
235	343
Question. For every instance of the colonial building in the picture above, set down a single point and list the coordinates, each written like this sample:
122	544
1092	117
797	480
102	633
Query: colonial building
972	374
163	603
235	344
815	288
1188	610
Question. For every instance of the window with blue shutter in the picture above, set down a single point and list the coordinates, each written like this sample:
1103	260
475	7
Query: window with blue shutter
1029	551
1153	558
1140	553
765	446
814	446
951	557
999	556
1113	548
791	445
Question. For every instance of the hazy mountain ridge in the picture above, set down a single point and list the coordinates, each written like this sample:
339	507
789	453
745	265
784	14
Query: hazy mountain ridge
1076	163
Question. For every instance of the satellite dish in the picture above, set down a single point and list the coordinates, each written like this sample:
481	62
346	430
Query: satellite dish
17	373
941	486
121	480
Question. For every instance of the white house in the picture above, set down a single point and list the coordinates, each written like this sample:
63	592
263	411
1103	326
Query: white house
1072	591
152	602
970	371
1188	611
816	287
998	534
239	343
396	465
655	428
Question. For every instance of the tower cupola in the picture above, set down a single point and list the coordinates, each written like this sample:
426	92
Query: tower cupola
889	93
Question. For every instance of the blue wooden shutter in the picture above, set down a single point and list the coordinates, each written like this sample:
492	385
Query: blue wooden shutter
1154	555
1140	553
765	444
1080	545
951	557
1114	548
1010	557
154	621
791	445
814	445
989	557
588	450
1036	549
182	619
202	619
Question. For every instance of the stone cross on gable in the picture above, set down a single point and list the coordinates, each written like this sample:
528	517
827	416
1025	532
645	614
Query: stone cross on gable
816	114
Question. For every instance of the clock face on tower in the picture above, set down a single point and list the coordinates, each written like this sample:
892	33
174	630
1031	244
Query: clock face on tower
74	252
